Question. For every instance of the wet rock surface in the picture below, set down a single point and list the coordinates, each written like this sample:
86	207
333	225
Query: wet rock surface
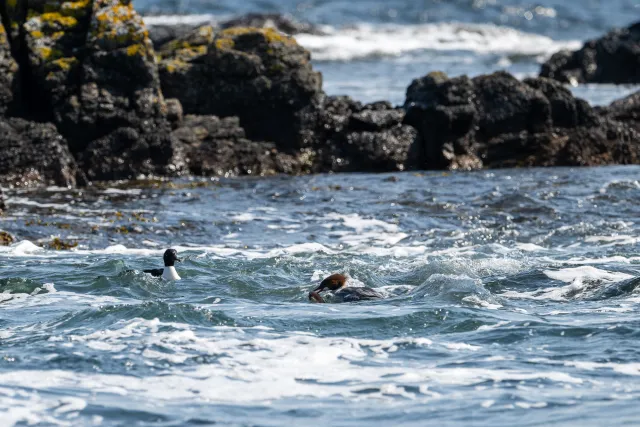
626	110
9	77
218	147
35	154
613	58
498	121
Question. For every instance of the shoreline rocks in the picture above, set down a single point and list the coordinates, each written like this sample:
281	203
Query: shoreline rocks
85	96
496	120
613	58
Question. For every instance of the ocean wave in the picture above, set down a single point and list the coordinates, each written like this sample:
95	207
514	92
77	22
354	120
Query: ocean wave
367	40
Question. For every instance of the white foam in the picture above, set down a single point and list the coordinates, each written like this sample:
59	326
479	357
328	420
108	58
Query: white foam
612	240
569	275
367	40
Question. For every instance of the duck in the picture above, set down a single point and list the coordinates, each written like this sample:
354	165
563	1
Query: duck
169	271
337	283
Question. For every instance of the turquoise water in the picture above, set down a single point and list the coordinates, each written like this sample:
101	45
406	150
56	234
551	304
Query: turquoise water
510	297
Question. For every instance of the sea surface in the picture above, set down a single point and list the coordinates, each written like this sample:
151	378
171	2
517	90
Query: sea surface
512	297
373	49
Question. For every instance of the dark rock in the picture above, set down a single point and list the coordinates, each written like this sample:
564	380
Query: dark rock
218	147
497	121
95	68
614	58
35	154
284	23
126	153
445	115
259	75
174	112
566	110
9	77
353	137
161	34
626	110
2	205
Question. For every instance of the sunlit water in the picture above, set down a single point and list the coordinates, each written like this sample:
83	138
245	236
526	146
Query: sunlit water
511	298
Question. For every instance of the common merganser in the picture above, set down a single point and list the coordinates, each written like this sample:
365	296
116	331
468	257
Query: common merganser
169	271
337	283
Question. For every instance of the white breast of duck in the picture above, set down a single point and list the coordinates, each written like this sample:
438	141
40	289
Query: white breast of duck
170	273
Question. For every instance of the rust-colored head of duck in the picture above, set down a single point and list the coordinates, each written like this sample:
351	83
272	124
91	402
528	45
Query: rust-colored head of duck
333	283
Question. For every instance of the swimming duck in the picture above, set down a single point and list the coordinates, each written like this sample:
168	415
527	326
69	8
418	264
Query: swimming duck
169	271
341	293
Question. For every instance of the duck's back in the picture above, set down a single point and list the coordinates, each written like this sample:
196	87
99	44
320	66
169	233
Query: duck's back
356	294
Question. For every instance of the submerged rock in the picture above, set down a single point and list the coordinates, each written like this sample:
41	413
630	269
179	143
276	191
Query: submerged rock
218	147
259	75
35	154
614	58
498	121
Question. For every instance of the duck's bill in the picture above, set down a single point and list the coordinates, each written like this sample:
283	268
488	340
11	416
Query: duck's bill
179	259
314	296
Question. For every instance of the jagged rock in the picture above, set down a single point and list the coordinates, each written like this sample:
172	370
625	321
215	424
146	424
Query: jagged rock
125	154
259	75
9	78
443	112
497	121
218	147
161	34
94	63
35	154
614	58
626	110
2	205
369	138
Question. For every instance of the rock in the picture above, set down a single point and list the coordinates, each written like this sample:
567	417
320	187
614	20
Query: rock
126	154
218	147
497	121
443	112
95	65
614	58
2	205
9	77
566	110
369	138
626	110
284	23
259	75
35	154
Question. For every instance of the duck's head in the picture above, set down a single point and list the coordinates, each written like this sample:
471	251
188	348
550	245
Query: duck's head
171	257
333	283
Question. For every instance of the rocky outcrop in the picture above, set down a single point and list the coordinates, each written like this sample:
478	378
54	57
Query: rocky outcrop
626	110
126	154
218	147
497	121
9	78
35	154
352	137
259	75
614	58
